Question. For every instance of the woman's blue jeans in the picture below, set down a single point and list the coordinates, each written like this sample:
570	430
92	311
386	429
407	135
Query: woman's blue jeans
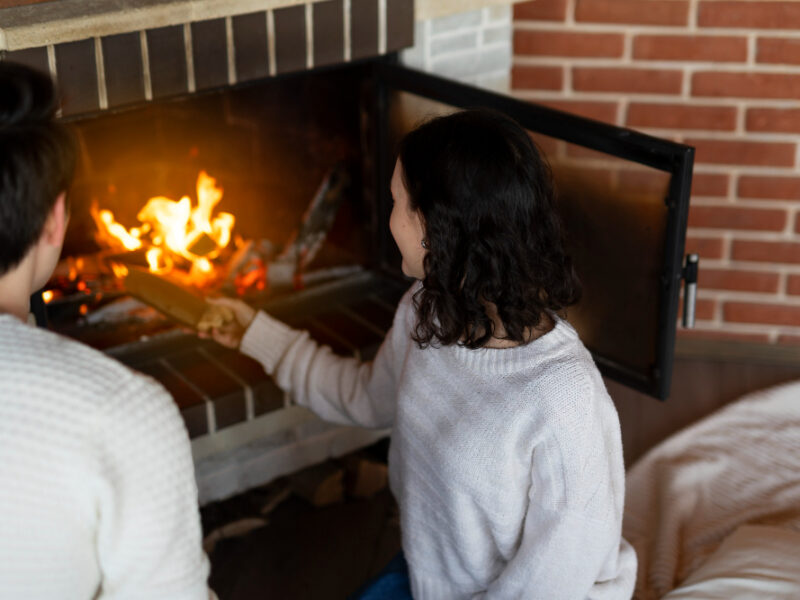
392	583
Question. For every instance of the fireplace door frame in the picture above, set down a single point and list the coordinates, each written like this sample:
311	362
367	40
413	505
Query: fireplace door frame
675	159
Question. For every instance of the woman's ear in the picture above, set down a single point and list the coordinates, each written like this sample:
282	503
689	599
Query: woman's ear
419	223
55	226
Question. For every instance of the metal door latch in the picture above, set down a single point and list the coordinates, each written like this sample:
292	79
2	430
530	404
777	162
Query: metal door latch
690	269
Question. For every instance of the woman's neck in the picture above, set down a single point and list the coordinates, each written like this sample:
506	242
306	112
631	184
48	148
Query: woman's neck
499	338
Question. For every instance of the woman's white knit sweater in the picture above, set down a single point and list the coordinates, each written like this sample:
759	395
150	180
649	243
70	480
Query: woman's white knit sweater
97	491
506	464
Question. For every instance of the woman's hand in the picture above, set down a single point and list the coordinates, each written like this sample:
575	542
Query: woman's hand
230	332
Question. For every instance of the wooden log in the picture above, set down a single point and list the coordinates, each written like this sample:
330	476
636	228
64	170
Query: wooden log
320	485
174	300
364	477
165	295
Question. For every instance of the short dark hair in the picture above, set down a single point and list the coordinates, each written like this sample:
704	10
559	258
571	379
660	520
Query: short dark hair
37	159
487	200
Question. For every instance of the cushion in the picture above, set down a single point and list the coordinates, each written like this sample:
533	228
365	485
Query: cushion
755	561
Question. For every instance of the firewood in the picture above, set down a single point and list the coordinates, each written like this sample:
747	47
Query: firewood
234	529
203	245
165	295
364	477
321	485
276	497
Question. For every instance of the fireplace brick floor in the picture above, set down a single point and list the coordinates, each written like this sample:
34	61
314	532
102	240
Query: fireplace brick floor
302	552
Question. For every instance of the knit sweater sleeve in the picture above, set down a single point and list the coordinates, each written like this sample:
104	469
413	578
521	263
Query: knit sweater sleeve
338	389
148	533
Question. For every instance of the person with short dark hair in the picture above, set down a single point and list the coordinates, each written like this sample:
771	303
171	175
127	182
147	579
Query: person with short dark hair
505	455
97	492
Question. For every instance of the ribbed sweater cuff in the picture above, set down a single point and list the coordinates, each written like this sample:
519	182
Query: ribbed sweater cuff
267	340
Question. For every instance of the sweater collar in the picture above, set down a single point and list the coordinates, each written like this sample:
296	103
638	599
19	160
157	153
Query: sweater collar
509	360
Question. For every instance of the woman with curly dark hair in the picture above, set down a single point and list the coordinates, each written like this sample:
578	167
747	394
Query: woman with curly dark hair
505	456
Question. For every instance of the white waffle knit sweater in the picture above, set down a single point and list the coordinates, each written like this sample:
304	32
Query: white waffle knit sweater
506	464
97	490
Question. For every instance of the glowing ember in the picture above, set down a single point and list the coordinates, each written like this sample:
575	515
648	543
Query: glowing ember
174	231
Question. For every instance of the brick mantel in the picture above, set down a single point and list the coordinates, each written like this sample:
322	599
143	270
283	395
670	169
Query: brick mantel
107	54
71	20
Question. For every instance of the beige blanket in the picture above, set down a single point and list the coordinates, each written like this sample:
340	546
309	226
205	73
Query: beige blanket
739	465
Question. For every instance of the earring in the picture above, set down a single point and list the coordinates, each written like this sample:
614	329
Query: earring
424	243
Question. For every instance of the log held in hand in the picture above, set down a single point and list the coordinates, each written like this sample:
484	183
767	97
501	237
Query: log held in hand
165	295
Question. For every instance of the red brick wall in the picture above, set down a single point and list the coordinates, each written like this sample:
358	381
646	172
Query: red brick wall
723	76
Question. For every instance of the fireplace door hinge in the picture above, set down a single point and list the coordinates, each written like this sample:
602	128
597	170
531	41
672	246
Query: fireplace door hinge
689	274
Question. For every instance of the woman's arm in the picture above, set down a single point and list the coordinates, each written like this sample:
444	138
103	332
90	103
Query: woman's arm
338	389
571	544
562	555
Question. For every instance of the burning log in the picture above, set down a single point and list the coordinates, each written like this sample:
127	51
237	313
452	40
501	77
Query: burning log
317	221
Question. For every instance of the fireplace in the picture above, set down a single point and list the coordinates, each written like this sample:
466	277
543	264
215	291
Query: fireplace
274	144
274	147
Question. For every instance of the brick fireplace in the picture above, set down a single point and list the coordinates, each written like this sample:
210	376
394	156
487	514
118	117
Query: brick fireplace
723	76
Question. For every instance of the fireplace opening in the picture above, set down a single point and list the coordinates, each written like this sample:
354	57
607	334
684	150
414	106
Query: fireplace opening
252	192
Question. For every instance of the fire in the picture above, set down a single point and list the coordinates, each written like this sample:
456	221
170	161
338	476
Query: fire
129	240
174	232
120	270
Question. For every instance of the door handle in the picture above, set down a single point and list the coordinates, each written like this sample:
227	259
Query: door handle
690	270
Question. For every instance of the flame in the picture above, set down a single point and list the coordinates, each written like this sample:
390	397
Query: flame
119	270
115	233
173	230
48	296
158	261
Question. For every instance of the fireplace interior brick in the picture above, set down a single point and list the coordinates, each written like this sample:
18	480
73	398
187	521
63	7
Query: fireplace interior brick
77	76
374	311
328	32
266	395
210	53
224	392
167	58
250	41
364	28
122	59
290	38
191	404
32	57
325	336
356	333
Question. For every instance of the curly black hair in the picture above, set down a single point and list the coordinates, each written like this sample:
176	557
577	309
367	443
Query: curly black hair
37	159
487	201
